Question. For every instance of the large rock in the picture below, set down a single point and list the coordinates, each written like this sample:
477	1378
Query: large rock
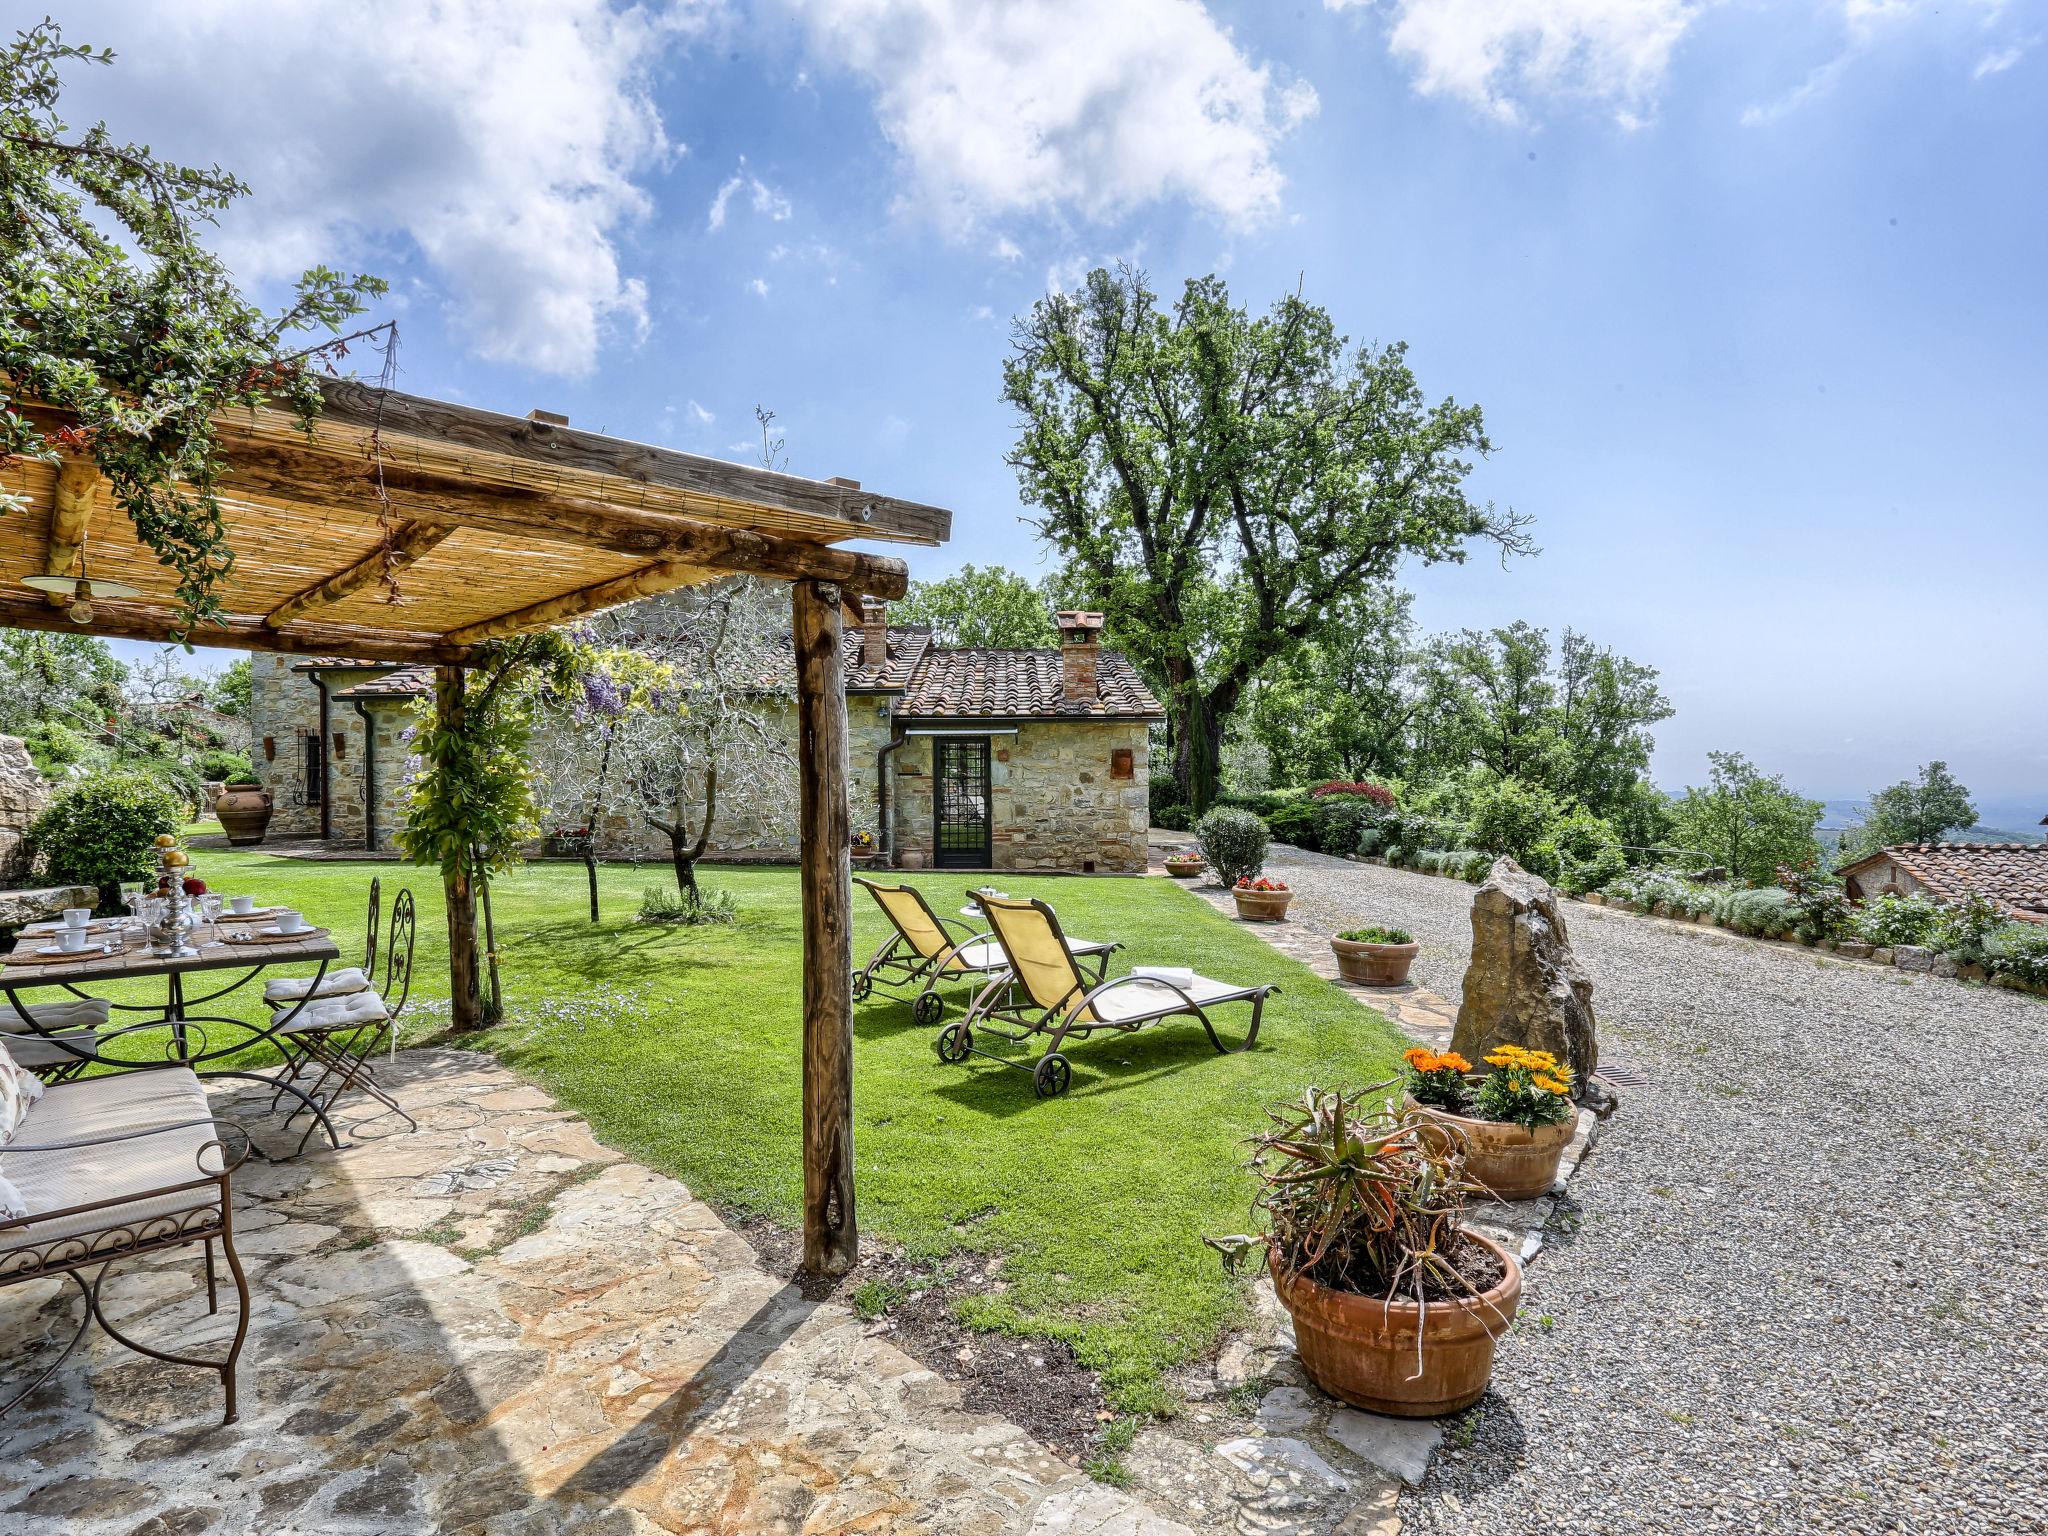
23	795
1523	986
20	907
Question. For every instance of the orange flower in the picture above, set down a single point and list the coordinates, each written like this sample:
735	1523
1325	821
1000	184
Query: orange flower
1415	1056
1454	1061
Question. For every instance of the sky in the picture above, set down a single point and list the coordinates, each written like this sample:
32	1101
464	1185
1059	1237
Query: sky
1751	293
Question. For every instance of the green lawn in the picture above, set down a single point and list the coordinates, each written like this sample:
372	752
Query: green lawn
681	1046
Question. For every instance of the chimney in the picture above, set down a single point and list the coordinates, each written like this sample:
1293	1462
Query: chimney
1080	647
874	634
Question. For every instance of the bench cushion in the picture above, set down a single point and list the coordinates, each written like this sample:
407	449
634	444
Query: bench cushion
289	989
121	1170
76	1021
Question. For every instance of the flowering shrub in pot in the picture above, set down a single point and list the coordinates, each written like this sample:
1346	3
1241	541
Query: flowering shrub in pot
1234	843
1396	1307
1375	957
1514	1123
1185	865
1263	900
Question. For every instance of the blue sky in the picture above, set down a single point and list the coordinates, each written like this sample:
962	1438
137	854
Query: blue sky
1750	293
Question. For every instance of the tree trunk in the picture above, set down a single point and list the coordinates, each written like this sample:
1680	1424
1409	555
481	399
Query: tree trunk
494	999
831	1235
590	875
465	992
604	766
685	862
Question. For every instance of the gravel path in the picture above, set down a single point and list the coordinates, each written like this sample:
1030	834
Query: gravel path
1801	1283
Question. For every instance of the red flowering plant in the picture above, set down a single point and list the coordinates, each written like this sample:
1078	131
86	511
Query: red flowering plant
1263	883
1378	794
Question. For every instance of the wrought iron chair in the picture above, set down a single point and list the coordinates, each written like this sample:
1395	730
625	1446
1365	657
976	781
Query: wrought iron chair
1043	992
113	1167
924	949
342	1034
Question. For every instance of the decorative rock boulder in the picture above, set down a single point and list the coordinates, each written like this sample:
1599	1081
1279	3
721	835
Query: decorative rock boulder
1524	987
23	796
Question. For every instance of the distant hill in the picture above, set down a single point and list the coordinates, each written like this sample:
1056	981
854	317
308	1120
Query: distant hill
1840	814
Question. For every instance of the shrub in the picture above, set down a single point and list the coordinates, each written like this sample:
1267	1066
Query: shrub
1765	911
1891	920
1508	816
223	767
1478	865
1377	935
1397	855
1595	872
1820	904
2019	950
1964	926
1371	840
101	831
665	904
1172	817
1297	822
1341	819
53	747
1234	842
1378	794
1162	790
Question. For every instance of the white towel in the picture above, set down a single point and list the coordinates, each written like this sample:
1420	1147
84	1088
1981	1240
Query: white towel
1181	976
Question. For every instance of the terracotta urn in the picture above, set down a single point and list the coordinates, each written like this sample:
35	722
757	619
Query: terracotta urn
1513	1162
1362	1349
910	858
244	812
1185	866
1374	965
1262	906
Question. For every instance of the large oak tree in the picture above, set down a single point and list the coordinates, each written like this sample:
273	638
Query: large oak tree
1218	481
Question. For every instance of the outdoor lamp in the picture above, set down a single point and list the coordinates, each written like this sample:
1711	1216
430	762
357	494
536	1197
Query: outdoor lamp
81	590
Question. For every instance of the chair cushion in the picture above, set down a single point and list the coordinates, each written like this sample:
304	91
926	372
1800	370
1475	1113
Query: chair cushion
19	1088
349	1011
289	989
125	1171
71	1013
1137	999
39	1053
990	957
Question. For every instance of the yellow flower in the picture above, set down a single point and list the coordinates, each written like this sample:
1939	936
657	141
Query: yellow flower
1550	1084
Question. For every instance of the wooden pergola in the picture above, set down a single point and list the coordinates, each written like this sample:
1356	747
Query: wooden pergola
490	526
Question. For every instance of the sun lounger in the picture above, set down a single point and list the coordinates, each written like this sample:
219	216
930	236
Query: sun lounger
1045	993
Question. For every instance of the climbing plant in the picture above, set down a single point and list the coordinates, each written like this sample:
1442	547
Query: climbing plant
121	335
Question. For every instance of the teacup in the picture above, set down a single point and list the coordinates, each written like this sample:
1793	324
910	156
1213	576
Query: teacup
77	917
71	940
289	921
241	906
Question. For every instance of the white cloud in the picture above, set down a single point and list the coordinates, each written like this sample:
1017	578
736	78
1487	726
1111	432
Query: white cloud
758	287
2002	59
702	417
1499	55
761	197
1870	24
503	141
1049	106
1006	250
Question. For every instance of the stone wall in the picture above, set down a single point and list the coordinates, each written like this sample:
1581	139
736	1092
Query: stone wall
1881	877
23	795
1059	797
284	709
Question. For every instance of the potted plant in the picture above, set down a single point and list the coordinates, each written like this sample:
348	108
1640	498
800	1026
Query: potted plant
244	810
1377	957
1514	1123
1263	900
1185	864
1396	1307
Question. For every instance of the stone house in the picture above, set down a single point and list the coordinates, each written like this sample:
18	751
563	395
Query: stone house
2015	875
961	758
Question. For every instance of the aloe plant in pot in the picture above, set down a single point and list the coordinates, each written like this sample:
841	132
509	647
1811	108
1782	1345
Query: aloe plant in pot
1396	1306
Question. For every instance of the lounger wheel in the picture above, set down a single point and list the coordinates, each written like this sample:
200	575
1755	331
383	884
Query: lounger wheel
862	986
954	1042
928	1009
1052	1076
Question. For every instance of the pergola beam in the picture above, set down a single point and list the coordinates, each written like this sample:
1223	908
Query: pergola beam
408	542
70	519
648	581
151	622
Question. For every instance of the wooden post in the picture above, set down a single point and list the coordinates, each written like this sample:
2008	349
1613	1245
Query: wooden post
831	1236
466	1006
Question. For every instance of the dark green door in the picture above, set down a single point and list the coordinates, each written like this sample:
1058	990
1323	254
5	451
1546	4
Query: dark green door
960	766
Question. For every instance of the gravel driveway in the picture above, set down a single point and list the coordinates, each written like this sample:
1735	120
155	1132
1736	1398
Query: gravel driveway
1802	1282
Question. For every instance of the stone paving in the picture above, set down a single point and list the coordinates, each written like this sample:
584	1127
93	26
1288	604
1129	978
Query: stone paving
497	1325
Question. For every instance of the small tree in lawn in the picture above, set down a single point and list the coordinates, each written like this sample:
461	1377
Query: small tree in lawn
576	747
705	743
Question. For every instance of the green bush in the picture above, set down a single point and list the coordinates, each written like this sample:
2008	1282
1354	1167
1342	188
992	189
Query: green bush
1818	899
1340	820
1964	927
1377	935
220	766
1163	791
2019	950
1891	921
1371	840
1233	841
54	747
666	904
1397	855
1299	822
102	831
1595	872
1761	912
1478	865
1172	816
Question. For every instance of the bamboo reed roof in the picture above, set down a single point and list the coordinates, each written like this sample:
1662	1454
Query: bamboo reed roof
488	525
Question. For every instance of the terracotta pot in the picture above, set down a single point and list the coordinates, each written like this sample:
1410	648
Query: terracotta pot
1262	906
244	812
910	858
1374	965
1185	869
1362	1349
1513	1163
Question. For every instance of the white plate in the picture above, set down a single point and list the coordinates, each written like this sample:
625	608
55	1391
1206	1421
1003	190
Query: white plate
58	949
272	931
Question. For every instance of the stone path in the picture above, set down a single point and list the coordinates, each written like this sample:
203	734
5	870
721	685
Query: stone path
1800	1285
498	1326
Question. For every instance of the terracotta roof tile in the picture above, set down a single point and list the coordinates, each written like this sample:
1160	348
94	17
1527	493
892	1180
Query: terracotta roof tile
2014	874
907	645
1021	684
401	683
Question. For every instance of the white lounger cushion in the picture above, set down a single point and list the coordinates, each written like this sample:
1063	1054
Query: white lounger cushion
1137	999
101	1106
989	956
345	1012
289	989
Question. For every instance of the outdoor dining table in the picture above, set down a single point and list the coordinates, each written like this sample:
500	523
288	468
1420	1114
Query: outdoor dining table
115	951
